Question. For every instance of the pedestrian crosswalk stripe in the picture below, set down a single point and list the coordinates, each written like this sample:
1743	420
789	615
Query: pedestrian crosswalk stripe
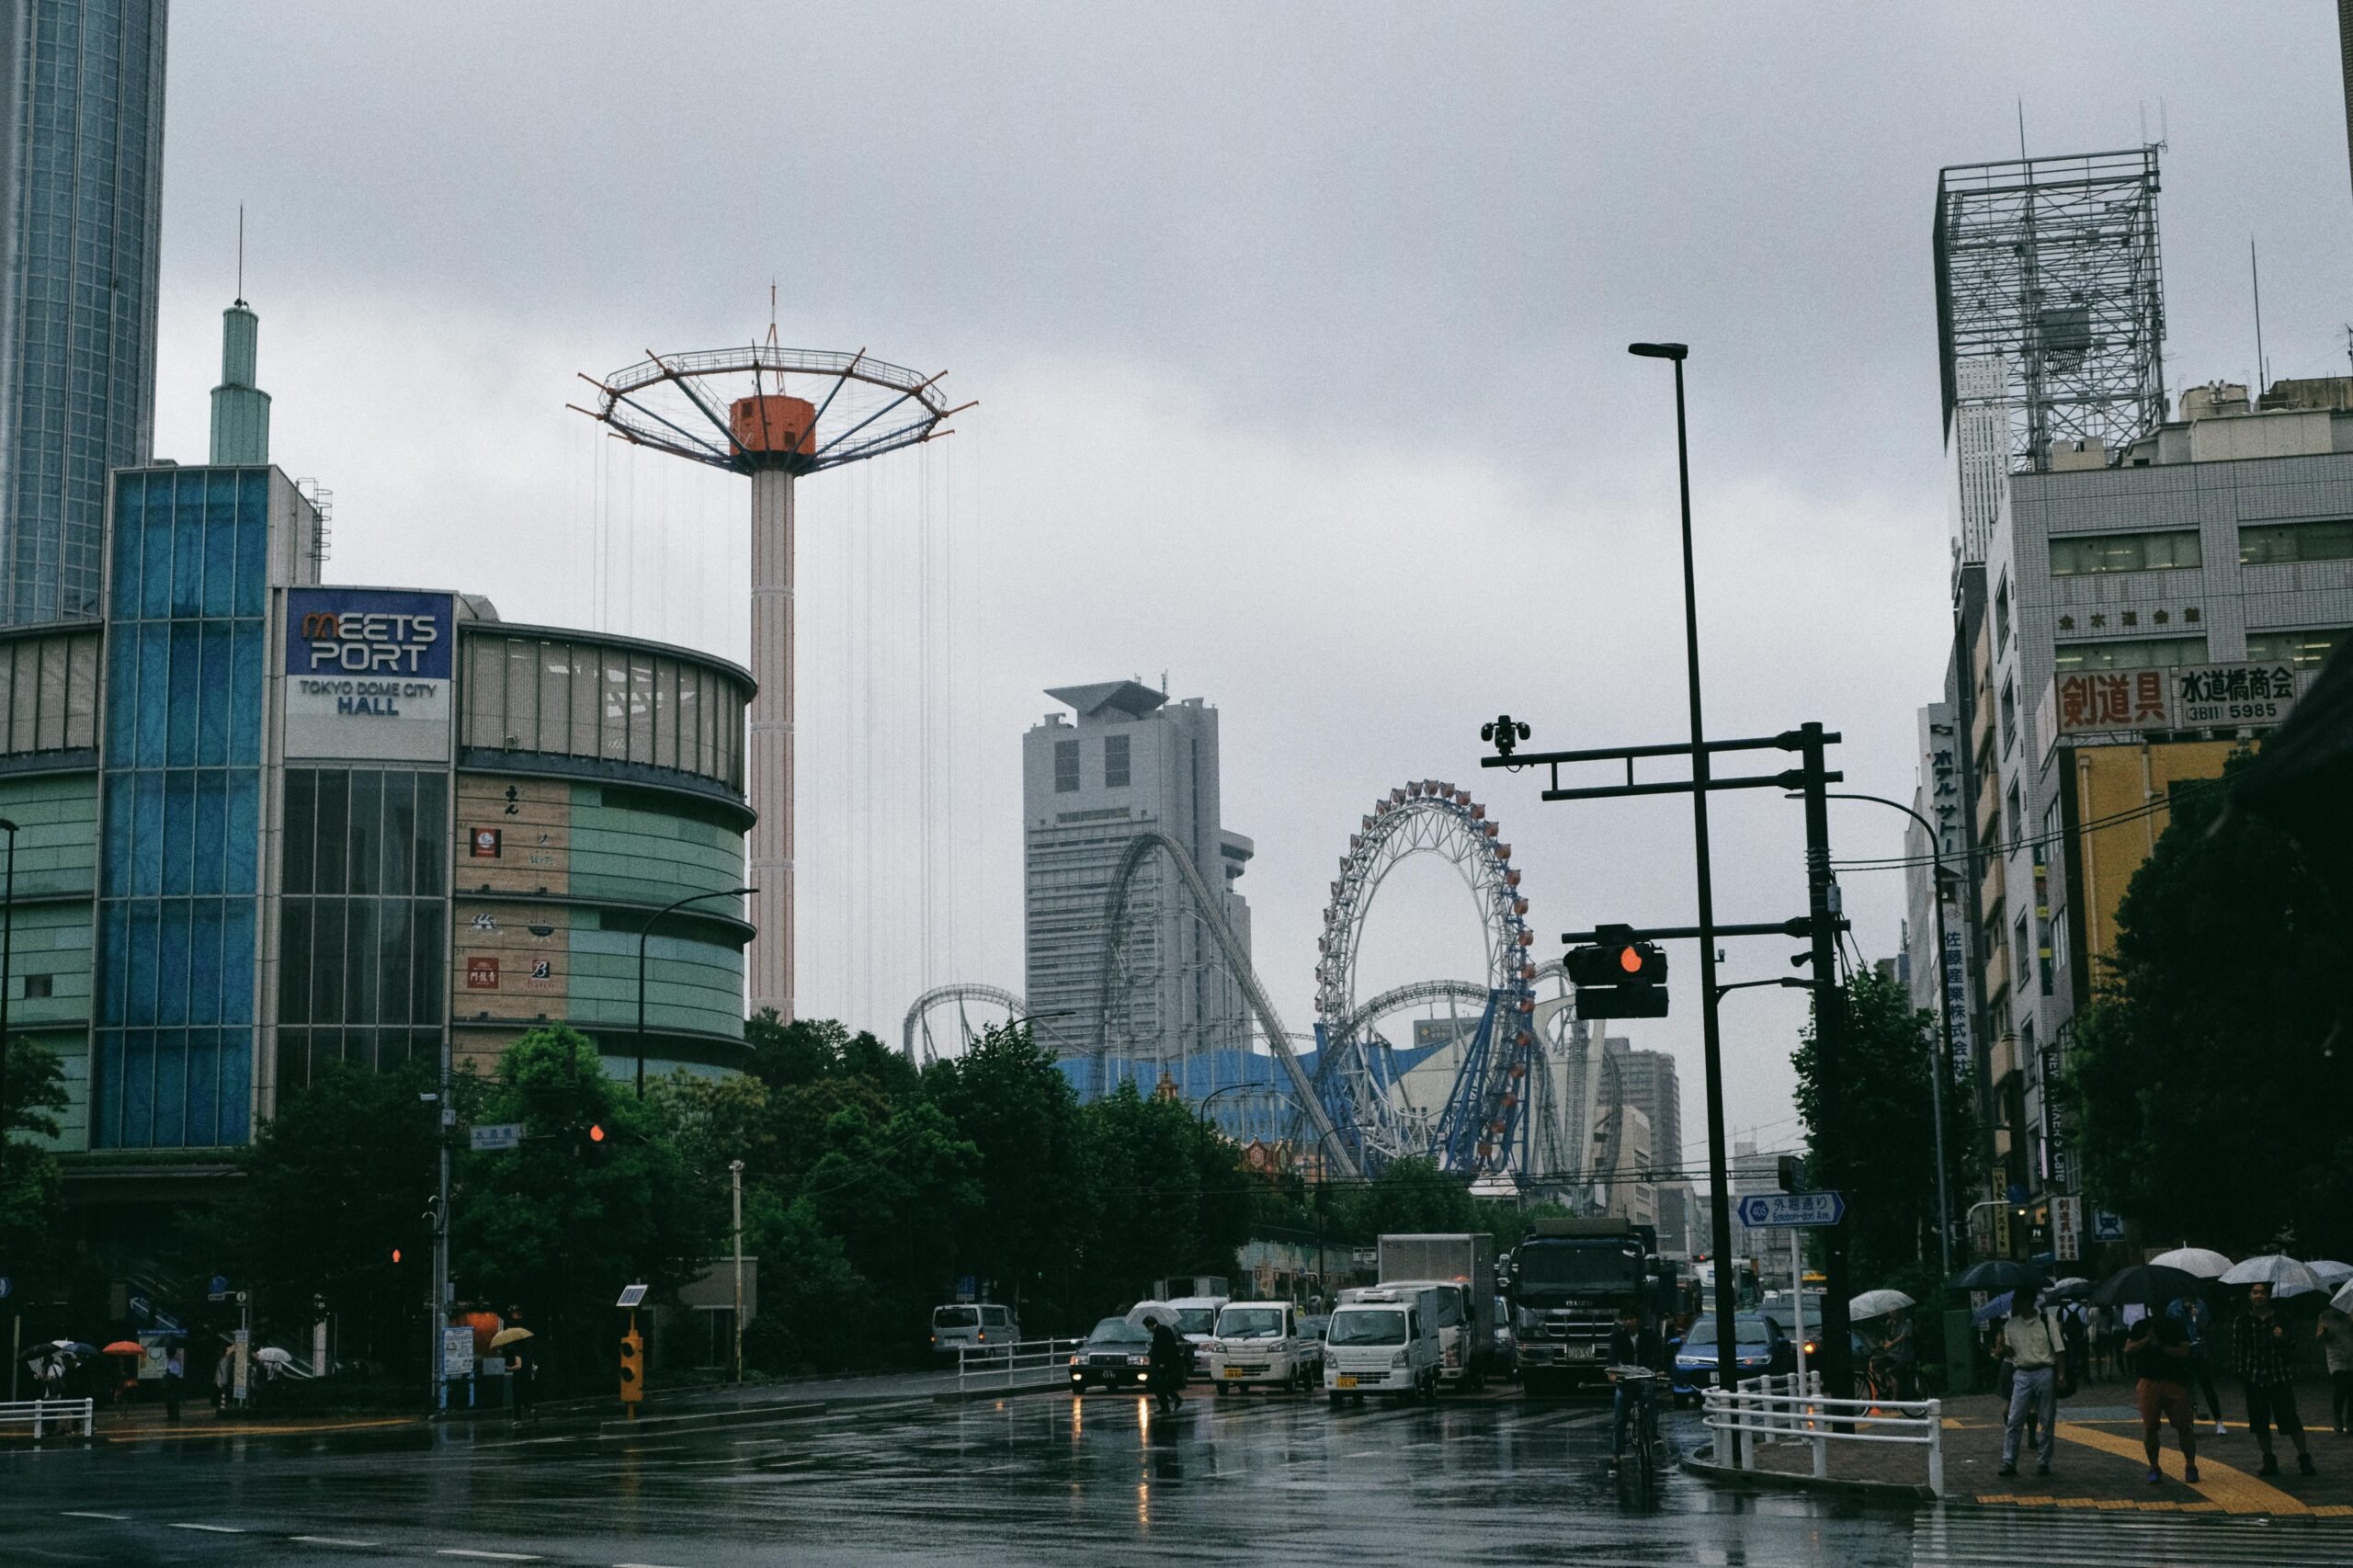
1984	1538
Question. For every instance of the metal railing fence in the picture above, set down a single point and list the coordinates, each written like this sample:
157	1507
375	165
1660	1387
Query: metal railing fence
1772	1410
44	1415
1028	1363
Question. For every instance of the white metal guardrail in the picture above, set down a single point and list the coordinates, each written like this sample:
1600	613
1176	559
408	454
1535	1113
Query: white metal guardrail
1761	1410
1030	1363
42	1416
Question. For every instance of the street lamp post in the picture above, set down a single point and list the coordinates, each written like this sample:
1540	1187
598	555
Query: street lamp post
1711	1038
642	935
735	1177
7	944
1944	1016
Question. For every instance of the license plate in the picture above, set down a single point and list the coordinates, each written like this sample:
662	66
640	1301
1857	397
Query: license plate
1346	1380
1234	1372
1578	1352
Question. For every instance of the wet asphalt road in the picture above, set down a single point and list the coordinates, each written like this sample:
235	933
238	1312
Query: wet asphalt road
1037	1478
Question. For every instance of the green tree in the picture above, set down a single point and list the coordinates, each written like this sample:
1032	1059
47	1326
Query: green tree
340	1177
1406	1197
1880	1151
32	1193
1172	1197
2211	1075
559	1225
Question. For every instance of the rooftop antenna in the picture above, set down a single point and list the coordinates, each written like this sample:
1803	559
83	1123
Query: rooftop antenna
772	343
2022	158
2262	371
241	253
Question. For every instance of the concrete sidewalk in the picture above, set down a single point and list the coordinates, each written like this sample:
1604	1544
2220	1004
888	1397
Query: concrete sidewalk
2098	1462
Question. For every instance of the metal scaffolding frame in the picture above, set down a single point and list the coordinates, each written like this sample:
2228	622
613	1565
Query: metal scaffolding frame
2050	267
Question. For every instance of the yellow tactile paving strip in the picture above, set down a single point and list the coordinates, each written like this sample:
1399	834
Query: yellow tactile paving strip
2222	1488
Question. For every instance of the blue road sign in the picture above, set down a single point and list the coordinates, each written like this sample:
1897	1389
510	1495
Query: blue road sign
2107	1227
1760	1210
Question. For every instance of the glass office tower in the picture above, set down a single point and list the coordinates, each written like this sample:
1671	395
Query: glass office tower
81	190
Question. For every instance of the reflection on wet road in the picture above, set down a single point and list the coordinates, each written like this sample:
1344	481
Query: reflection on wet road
1032	1479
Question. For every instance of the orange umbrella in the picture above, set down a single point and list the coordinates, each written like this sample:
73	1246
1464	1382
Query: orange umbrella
125	1347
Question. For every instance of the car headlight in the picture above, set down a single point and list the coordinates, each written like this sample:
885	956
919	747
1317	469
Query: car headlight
1073	1360
1139	1360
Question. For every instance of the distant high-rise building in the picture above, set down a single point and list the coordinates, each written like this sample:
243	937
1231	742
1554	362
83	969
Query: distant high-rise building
80	194
1131	762
1646	1079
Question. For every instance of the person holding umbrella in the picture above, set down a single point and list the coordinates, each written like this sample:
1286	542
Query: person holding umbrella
2260	1355
2159	1350
2190	1312
2335	1331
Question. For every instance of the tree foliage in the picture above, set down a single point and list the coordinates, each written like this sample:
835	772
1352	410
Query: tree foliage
32	1193
2212	1073
1870	1127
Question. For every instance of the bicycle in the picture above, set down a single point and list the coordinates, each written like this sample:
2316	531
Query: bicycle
1646	1444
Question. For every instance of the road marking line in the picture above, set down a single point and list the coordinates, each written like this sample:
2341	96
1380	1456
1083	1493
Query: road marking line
2232	1489
641	1565
90	1514
209	1529
331	1541
494	1556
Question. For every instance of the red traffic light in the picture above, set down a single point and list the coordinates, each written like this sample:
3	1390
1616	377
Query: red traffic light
1630	959
595	1132
396	1254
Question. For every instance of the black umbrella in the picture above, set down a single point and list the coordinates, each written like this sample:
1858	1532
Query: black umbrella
1996	1273
2150	1284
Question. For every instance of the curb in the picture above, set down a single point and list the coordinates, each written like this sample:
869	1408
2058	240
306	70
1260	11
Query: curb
1708	1469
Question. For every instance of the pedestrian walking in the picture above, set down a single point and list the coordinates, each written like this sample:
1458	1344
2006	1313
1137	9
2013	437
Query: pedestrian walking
221	1374
2072	1324
1166	1377
2110	1328
2259	1356
2031	1342
175	1379
2334	1331
2191	1314
2160	1351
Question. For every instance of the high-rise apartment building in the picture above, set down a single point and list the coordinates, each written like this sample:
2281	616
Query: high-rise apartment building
1125	762
1646	1079
80	194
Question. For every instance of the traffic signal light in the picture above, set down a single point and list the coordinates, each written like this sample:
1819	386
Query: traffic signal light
396	1254
596	1143
1791	1171
1618	977
632	1365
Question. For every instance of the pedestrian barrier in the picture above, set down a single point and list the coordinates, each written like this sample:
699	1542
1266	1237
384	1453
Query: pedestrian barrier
1030	1363
1761	1410
45	1415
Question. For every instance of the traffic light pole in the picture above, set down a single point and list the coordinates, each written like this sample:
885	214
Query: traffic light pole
1829	1044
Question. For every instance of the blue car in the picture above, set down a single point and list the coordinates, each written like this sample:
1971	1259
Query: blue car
1763	1348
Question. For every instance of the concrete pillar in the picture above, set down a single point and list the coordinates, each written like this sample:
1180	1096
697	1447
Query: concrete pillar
768	967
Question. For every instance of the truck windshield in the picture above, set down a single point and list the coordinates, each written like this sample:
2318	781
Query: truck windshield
1569	1266
1196	1320
1250	1322
1368	1327
956	1317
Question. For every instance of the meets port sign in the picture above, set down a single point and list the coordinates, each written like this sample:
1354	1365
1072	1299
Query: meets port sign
368	673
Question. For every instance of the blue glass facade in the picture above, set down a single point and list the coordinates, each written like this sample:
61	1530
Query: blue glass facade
180	810
82	91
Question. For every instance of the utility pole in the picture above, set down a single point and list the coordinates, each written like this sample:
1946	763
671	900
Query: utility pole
736	1179
438	1318
1829	1042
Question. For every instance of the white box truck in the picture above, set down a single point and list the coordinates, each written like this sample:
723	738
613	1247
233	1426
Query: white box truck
1461	1266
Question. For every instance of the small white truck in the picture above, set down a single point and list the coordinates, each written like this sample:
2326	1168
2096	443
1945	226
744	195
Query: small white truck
1262	1345
1383	1341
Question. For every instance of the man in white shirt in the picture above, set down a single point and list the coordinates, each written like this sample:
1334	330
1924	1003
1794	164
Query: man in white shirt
2031	1342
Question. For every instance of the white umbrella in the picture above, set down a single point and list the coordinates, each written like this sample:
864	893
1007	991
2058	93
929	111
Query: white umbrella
2330	1273
2194	1260
2343	1300
2284	1275
1878	1304
274	1355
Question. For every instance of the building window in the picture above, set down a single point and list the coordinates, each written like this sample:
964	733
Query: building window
2015	817
2081	554
1065	767
2022	949
2274	544
38	986
1115	762
2300	650
533	694
2139	653
2009	716
2002	617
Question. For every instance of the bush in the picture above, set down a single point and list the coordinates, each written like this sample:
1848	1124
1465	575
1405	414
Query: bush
346	1395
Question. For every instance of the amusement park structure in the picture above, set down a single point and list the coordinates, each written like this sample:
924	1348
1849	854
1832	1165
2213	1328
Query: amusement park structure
771	413
1507	1085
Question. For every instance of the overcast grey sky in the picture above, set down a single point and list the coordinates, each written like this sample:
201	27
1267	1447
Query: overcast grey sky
1298	336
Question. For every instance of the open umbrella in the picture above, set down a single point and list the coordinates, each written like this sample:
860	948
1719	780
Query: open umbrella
2284	1275
2329	1272
2194	1260
2150	1284
2343	1300
1878	1304
275	1356
124	1348
2072	1288
1995	1307
507	1336
1996	1273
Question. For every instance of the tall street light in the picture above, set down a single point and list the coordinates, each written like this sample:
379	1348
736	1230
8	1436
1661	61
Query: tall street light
7	942
1718	1173
651	921
1944	1015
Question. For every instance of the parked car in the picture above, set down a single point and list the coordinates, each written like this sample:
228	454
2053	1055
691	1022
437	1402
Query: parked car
1115	1355
1263	1345
1763	1348
982	1326
1382	1342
